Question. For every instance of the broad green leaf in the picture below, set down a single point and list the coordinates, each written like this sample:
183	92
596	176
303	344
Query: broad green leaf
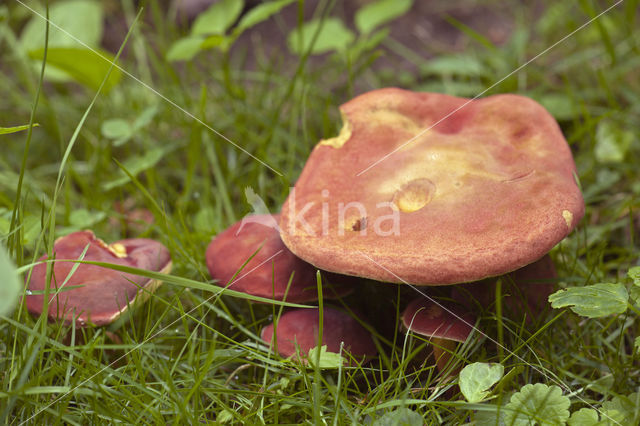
584	417
462	65
452	87
14	129
65	28
593	301
560	106
634	274
622	409
185	49
218	41
327	359
116	128
477	378
145	117
82	219
376	13
30	228
82	19
10	284
203	219
490	417
537	404
217	18
136	164
333	35
260	13
636	343
82	65
366	44
400	417
612	143
634	294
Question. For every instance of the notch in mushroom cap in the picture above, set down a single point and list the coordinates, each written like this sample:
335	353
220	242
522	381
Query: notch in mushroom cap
443	324
94	294
432	189
267	274
300	327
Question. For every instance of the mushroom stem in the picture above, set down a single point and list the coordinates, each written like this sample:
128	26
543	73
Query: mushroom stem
442	352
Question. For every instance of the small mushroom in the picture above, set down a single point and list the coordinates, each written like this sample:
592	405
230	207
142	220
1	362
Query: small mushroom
444	324
94	294
299	328
268	272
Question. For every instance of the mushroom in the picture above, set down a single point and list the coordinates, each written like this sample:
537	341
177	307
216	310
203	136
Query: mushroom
431	189
92	294
524	292
268	272
297	330
444	324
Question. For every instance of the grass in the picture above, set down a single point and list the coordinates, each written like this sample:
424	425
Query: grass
190	355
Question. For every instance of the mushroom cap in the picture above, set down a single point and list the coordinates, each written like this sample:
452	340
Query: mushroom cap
267	274
525	290
438	320
104	294
487	190
300	326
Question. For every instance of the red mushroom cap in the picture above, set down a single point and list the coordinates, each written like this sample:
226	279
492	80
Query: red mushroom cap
267	274
488	189
104	294
441	321
300	326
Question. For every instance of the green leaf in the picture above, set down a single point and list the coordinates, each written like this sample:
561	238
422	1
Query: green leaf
10	284
622	409
560	106
116	128
462	65
64	15
145	117
333	35
185	49
83	65
477	378
203	219
260	13
327	359
377	13
634	274
400	417
82	219
636	344
593	301
82	19
218	41
7	130
490	417
537	404
612	143
136	164
584	417
217	18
